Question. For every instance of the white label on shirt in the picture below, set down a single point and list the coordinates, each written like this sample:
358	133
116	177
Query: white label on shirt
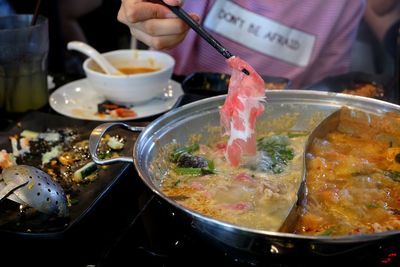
259	33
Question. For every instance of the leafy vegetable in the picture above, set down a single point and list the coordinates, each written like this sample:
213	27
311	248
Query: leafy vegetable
394	175
180	150
188	171
196	171
328	232
188	164
277	151
211	166
297	134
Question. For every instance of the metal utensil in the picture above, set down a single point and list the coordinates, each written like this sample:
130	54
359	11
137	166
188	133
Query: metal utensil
327	125
183	15
309	107
32	187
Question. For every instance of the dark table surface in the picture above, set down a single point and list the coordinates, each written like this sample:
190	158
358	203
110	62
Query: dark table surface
129	226
93	239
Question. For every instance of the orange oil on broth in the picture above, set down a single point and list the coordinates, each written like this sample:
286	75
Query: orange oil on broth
353	177
128	70
137	70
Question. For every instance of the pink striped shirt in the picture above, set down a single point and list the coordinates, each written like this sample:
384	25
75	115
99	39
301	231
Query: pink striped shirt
332	25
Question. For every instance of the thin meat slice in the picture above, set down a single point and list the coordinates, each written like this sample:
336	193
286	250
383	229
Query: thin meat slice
242	106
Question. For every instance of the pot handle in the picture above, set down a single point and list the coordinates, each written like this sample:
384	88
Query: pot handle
97	134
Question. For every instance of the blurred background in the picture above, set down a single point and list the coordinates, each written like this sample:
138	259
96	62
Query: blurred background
95	22
91	21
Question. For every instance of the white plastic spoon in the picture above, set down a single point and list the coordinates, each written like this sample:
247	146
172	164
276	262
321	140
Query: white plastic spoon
95	55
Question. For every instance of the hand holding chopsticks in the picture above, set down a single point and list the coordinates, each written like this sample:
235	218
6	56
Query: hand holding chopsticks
182	14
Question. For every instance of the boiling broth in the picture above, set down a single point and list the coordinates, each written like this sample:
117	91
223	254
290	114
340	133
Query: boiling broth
353	177
247	195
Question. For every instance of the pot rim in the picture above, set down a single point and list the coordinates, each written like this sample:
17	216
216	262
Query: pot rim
335	99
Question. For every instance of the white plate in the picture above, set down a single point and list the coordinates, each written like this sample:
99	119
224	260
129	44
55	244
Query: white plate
79	100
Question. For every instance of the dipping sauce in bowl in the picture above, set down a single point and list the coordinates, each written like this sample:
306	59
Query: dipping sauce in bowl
136	70
129	70
147	75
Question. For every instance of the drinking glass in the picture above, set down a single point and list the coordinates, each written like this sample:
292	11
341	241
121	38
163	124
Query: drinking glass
23	63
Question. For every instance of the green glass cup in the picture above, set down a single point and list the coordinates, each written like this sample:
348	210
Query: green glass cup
23	63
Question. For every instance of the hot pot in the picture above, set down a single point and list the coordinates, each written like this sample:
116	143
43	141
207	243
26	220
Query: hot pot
181	123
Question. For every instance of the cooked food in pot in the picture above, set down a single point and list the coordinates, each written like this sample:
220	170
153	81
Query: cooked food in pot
243	104
275	85
244	181
365	89
353	177
258	194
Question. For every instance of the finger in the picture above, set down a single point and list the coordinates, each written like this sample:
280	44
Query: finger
174	2
170	2
132	12
158	42
162	27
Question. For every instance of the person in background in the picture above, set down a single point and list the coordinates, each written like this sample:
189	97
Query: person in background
383	17
80	21
300	40
49	9
77	20
70	13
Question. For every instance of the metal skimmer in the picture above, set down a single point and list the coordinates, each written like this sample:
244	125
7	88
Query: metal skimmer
32	187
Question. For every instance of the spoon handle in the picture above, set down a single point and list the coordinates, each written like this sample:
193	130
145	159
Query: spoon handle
95	55
182	14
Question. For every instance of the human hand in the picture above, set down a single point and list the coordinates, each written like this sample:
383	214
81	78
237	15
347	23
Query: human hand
153	23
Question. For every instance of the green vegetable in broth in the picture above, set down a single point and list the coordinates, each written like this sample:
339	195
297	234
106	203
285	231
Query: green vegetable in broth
186	149
277	152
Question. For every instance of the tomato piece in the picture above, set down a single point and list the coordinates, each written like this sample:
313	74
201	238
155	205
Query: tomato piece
124	112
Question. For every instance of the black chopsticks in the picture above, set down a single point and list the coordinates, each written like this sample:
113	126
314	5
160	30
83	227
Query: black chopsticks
183	15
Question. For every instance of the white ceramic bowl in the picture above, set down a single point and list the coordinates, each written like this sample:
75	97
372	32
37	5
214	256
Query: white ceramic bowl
133	88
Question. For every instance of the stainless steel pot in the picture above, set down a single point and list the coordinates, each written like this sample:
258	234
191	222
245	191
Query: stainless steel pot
179	124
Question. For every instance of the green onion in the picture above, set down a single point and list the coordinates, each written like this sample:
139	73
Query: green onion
296	134
328	232
196	171
189	171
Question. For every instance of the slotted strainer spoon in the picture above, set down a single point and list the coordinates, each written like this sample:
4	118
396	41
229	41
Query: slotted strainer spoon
32	187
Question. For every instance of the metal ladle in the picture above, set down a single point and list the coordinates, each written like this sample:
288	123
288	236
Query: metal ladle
327	125
32	187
